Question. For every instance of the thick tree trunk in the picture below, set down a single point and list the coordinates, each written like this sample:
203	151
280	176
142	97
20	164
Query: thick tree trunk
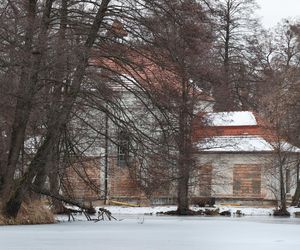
296	197
59	121
20	189
57	205
21	111
184	148
27	89
283	207
50	164
52	170
183	191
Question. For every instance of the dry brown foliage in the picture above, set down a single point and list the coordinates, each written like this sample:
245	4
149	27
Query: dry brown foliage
33	212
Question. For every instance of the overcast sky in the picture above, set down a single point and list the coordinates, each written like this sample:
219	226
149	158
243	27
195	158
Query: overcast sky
272	11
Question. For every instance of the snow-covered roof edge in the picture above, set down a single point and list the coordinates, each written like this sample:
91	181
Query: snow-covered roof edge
234	118
243	143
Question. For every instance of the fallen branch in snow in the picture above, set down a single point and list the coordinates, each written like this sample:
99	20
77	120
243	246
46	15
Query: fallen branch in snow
102	212
69	212
82	208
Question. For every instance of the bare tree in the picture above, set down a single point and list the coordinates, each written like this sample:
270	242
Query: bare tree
176	39
58	114
236	28
278	102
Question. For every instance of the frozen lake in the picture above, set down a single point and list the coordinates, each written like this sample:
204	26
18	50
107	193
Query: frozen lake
157	232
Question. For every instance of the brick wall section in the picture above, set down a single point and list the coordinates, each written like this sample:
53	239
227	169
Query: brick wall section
247	181
82	180
205	180
122	183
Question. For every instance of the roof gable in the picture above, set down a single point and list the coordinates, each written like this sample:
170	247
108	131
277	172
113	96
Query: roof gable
241	131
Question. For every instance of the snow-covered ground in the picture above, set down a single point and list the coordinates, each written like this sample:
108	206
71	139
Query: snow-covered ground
121	212
157	209
248	211
157	233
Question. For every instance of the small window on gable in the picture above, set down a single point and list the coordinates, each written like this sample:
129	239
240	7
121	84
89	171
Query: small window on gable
123	148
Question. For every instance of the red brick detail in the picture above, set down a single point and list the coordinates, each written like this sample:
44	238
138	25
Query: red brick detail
82	180
247	181
205	180
263	129
123	183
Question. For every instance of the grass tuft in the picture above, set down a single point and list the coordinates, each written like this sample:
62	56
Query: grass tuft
33	212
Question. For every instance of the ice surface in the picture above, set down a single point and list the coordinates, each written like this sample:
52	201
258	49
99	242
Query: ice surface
157	233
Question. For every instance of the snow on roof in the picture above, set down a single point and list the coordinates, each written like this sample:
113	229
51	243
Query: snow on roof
235	144
245	143
239	118
87	148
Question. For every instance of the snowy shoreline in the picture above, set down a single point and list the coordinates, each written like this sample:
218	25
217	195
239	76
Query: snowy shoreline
248	211
122	212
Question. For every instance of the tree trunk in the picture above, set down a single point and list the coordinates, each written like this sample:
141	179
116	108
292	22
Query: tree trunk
27	89
21	111
296	197
59	121
183	191
223	91
52	170
282	191
57	205
184	148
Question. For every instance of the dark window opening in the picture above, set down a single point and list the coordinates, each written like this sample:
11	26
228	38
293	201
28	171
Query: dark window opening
123	148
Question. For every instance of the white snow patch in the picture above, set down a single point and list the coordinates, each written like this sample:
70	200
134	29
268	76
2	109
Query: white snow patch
240	118
235	144
122	210
292	210
140	210
251	211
